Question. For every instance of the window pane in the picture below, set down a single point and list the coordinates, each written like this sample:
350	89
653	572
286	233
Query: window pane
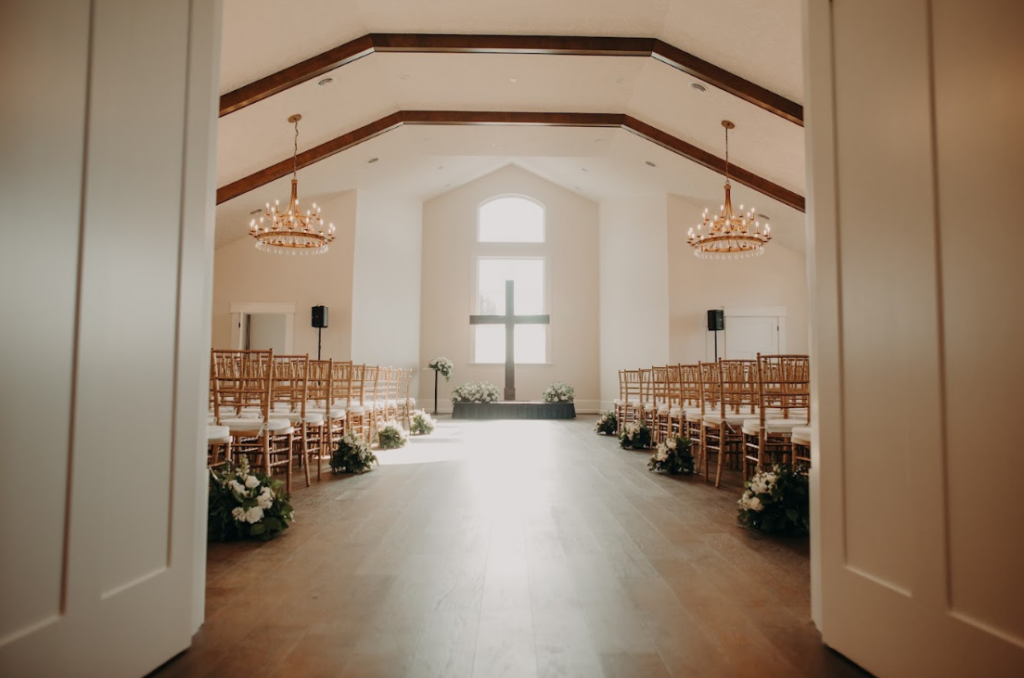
511	219
490	344
528	275
531	343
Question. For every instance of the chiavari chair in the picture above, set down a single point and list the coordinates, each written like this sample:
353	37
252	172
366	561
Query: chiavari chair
660	406
801	441
690	395
320	387
648	410
708	395
406	403
357	413
784	395
674	407
218	445
630	408
243	384
721	431
290	387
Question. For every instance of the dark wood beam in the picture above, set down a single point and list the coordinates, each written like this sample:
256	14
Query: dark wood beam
614	120
713	162
427	43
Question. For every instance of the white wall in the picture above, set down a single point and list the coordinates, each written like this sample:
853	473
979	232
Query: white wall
244	274
450	250
777	278
386	280
634	287
103	378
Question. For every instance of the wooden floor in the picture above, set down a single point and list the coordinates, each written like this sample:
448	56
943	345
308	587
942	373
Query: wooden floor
519	549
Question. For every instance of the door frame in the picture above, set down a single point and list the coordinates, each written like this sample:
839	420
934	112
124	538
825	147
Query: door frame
779	312
243	308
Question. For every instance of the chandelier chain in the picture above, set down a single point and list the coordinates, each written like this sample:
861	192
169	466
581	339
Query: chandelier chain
295	151
726	153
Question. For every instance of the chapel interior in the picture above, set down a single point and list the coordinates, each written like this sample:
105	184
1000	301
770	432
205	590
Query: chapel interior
479	339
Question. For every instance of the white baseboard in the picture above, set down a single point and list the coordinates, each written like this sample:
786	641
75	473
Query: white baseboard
582	406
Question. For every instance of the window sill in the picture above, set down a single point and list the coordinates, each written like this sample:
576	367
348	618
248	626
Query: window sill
518	365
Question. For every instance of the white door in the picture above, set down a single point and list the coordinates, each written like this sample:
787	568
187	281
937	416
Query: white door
914	147
105	367
746	336
267	331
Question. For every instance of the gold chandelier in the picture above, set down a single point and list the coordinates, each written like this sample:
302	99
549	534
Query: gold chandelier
292	231
727	235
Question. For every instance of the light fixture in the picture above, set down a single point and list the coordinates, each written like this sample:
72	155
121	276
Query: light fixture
325	82
292	231
372	160
727	235
649	163
699	87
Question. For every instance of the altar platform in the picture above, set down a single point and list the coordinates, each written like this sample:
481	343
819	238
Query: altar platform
514	410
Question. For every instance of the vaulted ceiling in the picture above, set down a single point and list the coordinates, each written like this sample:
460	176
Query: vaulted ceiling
757	41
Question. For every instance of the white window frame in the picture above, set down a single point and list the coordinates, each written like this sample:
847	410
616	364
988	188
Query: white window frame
475	291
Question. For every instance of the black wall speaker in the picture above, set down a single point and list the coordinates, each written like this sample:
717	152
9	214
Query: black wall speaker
319	316
716	319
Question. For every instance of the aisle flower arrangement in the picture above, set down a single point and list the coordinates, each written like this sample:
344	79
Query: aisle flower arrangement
353	455
444	366
484	392
777	501
608	424
673	456
559	392
421	423
635	435
246	505
390	435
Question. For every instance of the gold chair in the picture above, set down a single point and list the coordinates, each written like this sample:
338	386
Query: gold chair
242	394
291	395
784	398
721	431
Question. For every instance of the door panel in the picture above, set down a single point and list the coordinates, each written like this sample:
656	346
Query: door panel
919	563
745	337
97	577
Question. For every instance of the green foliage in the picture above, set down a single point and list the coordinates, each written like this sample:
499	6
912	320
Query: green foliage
353	455
608	424
559	392
390	436
777	502
635	436
421	423
246	505
673	456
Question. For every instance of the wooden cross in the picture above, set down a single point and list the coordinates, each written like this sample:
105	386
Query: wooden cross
510	320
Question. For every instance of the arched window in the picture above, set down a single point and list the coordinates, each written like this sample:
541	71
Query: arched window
510	218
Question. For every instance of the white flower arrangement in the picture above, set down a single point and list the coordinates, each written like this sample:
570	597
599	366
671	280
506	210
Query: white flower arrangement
421	423
353	455
559	392
484	392
608	424
672	456
391	436
776	501
444	366
635	435
244	504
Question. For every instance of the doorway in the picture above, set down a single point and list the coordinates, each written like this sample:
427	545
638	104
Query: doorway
749	330
262	326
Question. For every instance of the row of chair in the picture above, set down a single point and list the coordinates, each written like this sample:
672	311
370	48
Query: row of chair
278	409
749	412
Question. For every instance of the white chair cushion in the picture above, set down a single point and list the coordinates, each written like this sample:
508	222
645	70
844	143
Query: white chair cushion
218	434
254	426
752	427
412	401
783	425
692	414
356	409
802	435
733	419
634	403
619	403
675	412
335	413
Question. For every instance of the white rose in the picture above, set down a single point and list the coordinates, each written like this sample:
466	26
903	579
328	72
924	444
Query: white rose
254	515
237	487
264	502
251	482
267	492
755	504
238	513
670	443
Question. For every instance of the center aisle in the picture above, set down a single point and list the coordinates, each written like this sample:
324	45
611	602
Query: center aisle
519	549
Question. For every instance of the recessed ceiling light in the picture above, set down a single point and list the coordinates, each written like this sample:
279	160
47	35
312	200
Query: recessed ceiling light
584	169
512	79
620	80
699	87
405	76
325	82
372	160
256	211
578	188
649	163
440	167
764	216
598	141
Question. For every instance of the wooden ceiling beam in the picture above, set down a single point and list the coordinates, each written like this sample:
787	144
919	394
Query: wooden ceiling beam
431	43
612	120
